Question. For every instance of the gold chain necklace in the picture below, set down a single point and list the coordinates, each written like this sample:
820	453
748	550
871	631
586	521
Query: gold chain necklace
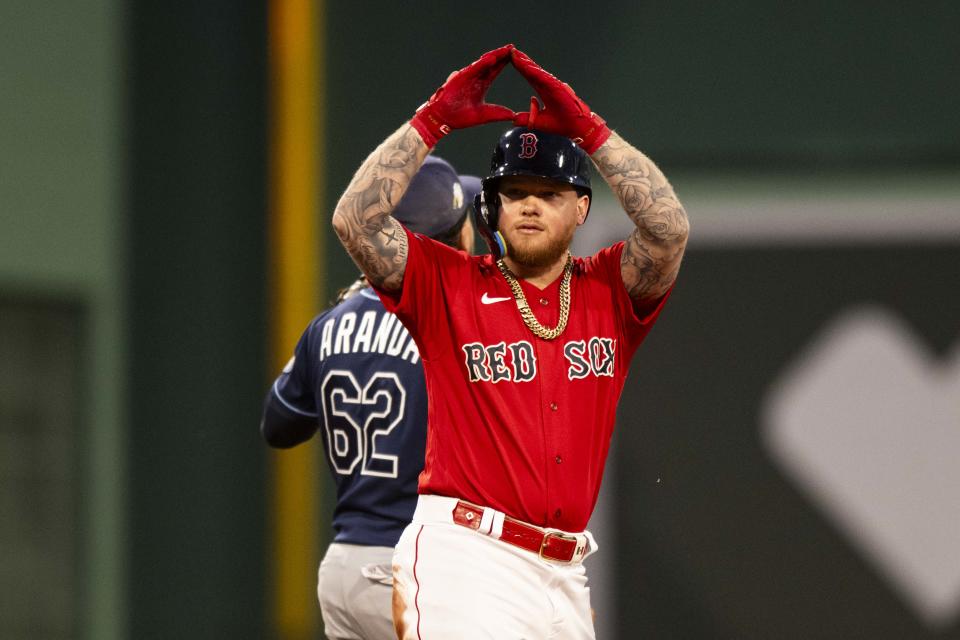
527	313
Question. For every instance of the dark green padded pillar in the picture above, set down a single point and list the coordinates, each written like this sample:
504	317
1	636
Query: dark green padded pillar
196	164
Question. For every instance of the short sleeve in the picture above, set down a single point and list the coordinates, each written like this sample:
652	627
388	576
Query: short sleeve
636	320
421	301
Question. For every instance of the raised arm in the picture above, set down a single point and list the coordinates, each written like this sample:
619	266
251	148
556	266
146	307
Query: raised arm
654	249
376	241
362	220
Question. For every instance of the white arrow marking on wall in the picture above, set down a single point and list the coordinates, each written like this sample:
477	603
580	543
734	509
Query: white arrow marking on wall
867	422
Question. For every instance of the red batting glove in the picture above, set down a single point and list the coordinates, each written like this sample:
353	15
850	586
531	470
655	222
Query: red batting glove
459	104
562	113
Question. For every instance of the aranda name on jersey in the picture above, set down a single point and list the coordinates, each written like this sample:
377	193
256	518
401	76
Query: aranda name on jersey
376	332
516	362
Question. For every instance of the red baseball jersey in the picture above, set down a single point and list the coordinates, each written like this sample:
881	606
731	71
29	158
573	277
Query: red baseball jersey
515	422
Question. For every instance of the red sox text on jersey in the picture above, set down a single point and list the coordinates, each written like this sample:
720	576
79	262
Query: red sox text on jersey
517	362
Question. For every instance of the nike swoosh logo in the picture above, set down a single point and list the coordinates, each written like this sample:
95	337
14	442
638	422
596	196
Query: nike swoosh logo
486	299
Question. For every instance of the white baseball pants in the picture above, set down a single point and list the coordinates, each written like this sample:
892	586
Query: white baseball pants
453	582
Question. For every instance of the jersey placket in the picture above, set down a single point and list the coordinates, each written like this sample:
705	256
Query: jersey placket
545	304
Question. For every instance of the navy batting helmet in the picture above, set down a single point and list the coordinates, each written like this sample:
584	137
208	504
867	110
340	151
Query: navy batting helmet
528	152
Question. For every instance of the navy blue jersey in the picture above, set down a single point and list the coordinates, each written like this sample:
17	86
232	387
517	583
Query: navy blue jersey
356	378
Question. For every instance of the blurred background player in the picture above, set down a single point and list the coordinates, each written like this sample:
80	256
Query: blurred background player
356	377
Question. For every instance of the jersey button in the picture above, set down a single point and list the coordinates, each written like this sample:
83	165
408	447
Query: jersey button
557	514
558	459
553	406
544	301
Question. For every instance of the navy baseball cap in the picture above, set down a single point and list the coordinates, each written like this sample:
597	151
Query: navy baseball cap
437	198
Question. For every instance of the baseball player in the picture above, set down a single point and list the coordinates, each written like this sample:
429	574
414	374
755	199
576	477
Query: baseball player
357	377
525	351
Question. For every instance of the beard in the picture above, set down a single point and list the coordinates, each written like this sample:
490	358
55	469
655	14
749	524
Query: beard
537	254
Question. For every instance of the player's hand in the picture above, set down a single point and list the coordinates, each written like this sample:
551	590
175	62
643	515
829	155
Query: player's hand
562	113
459	103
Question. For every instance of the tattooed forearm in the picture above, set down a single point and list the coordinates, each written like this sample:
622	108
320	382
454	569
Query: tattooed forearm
375	241
652	254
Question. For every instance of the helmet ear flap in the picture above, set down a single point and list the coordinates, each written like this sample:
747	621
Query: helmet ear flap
486	208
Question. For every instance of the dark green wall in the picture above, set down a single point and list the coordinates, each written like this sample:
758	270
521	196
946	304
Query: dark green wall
197	234
715	540
694	84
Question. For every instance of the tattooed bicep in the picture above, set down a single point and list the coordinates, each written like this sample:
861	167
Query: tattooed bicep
647	270
383	256
653	251
374	239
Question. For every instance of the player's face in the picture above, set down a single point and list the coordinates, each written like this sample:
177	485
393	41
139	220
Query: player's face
538	217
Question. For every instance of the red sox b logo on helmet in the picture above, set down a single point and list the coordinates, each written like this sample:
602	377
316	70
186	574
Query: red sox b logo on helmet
528	145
